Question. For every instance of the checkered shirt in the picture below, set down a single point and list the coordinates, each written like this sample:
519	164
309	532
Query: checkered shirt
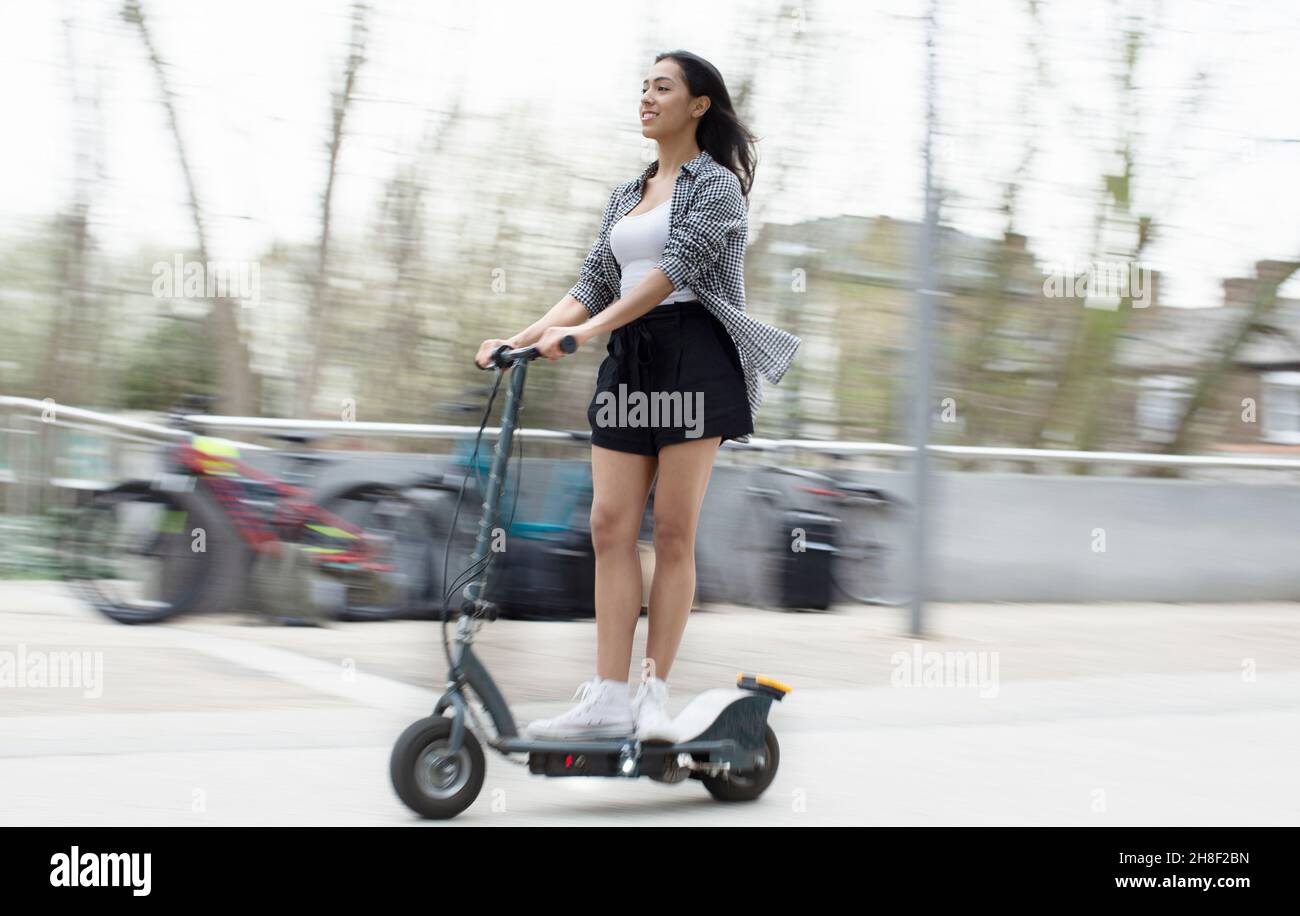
708	226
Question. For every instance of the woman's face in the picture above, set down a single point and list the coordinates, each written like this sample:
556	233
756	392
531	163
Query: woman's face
666	103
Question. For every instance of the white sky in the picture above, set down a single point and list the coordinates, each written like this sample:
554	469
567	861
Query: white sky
254	79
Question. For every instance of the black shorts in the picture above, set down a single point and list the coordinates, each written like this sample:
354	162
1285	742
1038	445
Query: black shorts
672	375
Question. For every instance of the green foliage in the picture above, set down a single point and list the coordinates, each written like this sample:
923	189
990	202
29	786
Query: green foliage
172	363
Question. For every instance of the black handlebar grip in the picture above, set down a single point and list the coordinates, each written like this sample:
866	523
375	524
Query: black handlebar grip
568	344
493	359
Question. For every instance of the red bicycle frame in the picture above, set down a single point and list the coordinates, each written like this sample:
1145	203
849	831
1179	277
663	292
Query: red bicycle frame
332	541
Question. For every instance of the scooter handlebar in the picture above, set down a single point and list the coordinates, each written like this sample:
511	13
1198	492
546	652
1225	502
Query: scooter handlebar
503	357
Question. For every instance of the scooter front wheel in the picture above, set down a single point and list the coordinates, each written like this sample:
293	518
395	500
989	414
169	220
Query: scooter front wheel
747	785
430	780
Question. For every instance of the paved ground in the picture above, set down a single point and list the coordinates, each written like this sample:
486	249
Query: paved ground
1082	715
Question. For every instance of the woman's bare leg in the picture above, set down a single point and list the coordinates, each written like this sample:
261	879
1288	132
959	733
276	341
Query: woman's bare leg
620	483
684	470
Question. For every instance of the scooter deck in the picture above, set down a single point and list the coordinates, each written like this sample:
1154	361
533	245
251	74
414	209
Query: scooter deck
628	757
722	721
611	746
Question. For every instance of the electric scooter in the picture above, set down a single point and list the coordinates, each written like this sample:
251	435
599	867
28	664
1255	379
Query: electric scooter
722	738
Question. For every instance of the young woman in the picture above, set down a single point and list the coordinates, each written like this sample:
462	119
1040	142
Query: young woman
666	277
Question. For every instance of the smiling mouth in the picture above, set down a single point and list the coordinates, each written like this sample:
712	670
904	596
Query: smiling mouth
649	115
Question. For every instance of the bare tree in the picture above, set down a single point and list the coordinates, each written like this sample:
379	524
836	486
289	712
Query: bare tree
1270	275
73	347
1086	377
237	392
320	311
402	237
996	300
1083	380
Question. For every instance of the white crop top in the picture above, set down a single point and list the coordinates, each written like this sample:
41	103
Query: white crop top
637	242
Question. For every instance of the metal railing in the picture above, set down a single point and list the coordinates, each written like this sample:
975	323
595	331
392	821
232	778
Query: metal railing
50	455
122	430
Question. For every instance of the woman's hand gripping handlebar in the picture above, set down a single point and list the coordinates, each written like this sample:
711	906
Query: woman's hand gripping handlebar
499	354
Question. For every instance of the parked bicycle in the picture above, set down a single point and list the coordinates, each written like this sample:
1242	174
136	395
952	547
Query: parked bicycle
816	536
198	535
549	569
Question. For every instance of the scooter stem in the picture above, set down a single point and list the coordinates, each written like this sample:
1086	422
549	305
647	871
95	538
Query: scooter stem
497	478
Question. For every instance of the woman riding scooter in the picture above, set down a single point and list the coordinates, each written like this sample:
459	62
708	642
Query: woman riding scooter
665	276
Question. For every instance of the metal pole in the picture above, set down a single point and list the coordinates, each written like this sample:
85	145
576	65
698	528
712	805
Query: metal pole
922	354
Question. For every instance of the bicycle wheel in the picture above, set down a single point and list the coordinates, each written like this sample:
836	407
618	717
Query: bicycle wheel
867	567
399	524
142	555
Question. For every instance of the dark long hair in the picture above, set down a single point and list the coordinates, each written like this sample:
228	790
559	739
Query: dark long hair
720	131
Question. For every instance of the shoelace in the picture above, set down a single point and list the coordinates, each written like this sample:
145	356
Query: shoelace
647	685
585	689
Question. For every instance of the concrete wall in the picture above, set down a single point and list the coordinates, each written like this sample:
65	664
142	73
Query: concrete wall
1031	538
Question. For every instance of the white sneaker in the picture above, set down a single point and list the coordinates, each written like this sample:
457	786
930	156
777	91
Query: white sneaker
650	707
604	711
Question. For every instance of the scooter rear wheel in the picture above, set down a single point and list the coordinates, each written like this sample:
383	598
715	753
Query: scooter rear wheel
429	780
747	785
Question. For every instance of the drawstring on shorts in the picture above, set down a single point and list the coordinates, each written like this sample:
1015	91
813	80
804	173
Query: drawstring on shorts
632	345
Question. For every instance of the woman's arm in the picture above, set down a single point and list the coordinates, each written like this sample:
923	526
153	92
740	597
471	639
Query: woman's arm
699	239
653	289
568	311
